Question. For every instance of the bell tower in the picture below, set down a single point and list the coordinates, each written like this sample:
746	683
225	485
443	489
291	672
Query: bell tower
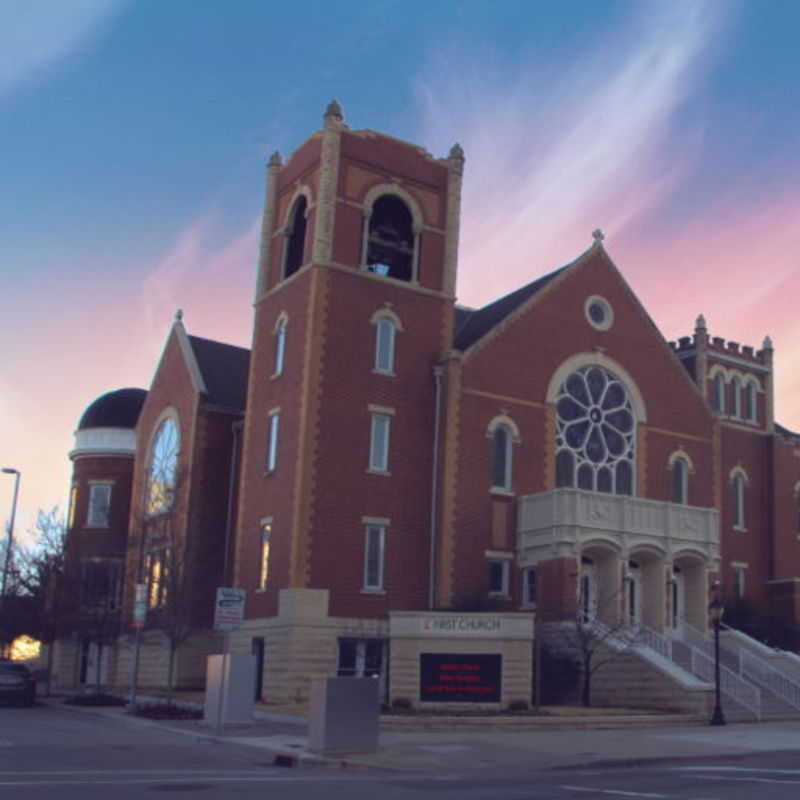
354	305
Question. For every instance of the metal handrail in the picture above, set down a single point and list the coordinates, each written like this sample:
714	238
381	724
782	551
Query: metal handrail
754	667
757	670
731	684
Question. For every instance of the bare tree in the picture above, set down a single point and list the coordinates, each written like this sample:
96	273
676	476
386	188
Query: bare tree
600	636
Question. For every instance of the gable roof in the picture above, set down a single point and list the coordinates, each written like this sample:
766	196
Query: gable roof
786	432
224	369
472	325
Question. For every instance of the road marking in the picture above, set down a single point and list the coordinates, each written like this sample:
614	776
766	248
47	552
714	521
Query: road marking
744	779
618	792
737	769
214	778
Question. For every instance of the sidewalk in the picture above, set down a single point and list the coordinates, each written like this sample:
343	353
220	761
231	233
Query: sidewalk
468	751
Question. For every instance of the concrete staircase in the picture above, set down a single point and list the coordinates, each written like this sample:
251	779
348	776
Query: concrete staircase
645	669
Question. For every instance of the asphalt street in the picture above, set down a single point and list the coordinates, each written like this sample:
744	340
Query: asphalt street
79	754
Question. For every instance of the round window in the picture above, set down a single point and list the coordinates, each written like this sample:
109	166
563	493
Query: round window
599	313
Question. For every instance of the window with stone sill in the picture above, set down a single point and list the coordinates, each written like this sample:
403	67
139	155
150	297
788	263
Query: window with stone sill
738	498
99	505
385	330
502	458
680	481
499	574
374	556
529	587
380	427
280	346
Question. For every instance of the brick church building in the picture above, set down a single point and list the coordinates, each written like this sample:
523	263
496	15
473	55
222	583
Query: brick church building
389	474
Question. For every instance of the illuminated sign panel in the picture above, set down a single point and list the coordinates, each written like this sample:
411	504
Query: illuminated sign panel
460	677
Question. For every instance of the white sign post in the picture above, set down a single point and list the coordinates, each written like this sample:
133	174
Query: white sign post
228	616
229	609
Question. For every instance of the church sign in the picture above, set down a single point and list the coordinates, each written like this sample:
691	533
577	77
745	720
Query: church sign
453	625
460	677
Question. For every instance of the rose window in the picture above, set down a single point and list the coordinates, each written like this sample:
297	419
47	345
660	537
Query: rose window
595	435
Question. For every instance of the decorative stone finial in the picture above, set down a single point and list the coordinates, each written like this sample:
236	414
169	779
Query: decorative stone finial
275	160
598	236
333	116
767	343
700	323
456	152
179	315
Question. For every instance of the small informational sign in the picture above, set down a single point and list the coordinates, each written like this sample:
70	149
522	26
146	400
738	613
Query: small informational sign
140	605
460	677
229	609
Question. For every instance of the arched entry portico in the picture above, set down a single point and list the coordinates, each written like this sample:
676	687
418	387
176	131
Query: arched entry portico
599	582
688	591
644	587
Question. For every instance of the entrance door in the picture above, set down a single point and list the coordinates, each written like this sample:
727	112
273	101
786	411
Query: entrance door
633	609
90	653
588	591
363	658
257	649
677	601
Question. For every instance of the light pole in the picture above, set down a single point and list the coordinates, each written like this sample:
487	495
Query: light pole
715	611
7	564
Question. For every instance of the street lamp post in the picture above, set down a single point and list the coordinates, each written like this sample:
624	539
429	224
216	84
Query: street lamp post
7	563
715	610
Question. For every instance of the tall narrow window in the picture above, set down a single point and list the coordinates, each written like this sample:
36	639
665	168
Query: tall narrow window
529	587
384	345
501	458
680	481
752	402
263	567
272	443
499	570
99	504
736	399
390	239
379	442
73	497
740	580
295	238
280	346
738	502
374	554
719	393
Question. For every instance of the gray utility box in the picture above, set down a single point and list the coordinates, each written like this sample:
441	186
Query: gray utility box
344	715
229	689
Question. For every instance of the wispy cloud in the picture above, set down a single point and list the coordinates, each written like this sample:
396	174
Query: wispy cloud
207	276
35	35
556	149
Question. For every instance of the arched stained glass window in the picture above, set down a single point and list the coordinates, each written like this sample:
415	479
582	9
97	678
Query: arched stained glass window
163	468
595	433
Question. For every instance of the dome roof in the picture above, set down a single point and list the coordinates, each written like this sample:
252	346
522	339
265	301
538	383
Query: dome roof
119	409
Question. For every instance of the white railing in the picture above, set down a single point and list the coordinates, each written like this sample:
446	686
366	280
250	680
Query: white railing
777	682
730	683
750	666
656	641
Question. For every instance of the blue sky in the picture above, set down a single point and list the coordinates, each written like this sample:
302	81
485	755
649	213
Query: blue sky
133	138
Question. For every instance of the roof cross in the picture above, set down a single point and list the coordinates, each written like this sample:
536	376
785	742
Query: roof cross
597	235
